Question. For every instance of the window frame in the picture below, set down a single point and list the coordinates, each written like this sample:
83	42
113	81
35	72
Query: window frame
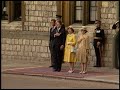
4	4
77	21
86	12
10	11
89	21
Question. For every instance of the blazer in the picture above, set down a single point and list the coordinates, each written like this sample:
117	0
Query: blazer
59	40
100	33
51	32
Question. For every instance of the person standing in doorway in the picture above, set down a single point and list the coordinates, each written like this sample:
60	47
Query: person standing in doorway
53	21
98	42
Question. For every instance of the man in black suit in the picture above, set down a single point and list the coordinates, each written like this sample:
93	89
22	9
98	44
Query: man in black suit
98	42
58	18
53	21
58	46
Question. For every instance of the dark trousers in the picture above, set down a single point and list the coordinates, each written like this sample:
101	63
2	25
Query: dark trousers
98	53
51	52
116	50
58	57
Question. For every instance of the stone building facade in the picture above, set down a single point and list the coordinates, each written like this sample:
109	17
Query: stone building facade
25	34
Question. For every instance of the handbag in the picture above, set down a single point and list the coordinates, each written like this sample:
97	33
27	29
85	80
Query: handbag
73	49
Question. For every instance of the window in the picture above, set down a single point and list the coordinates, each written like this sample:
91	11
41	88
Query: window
92	11
78	11
4	11
86	11
11	10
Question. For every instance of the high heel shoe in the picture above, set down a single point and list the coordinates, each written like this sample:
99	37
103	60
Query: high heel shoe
84	72
70	71
80	72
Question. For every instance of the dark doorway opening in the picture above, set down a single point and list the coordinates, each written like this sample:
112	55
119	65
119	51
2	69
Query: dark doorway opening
17	10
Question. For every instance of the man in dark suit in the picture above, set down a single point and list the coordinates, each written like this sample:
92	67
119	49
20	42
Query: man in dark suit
98	42
58	46
58	18
53	21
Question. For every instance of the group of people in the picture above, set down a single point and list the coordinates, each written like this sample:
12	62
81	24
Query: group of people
62	44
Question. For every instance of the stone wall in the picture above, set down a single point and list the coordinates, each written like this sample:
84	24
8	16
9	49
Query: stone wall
13	26
38	14
24	50
108	18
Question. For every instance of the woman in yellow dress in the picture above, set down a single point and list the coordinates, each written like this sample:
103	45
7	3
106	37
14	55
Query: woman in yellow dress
83	49
69	54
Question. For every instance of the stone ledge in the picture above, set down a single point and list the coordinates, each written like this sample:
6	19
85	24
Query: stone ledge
24	34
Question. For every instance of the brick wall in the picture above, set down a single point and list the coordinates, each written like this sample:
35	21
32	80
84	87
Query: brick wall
13	26
25	50
38	14
108	17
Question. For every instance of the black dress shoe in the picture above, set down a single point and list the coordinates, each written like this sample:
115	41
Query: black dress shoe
59	70
97	66
50	66
54	70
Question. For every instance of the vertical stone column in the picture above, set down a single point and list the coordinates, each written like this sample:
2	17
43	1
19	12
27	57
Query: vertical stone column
84	14
108	17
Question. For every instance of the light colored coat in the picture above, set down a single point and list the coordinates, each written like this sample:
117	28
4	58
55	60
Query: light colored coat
83	46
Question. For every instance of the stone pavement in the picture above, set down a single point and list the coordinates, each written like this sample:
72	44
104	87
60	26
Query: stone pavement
106	75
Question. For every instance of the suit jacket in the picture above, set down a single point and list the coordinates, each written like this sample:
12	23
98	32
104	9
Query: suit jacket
66	32
100	34
59	40
63	26
51	33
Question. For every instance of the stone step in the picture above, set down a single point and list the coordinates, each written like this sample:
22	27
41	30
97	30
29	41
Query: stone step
17	25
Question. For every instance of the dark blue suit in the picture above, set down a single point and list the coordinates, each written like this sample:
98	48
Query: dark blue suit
57	52
50	44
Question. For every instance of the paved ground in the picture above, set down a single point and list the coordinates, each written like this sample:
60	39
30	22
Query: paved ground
18	64
107	75
48	72
29	82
